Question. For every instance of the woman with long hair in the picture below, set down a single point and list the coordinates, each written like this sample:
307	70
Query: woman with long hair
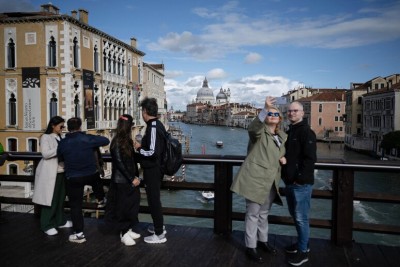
49	180
123	199
259	176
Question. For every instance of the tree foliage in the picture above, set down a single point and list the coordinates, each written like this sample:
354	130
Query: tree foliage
391	140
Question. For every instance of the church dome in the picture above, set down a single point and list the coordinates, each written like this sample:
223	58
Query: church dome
221	95
205	94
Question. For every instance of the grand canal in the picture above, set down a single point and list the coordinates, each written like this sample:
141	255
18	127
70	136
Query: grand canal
202	140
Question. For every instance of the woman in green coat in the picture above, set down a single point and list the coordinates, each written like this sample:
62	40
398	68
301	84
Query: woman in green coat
259	176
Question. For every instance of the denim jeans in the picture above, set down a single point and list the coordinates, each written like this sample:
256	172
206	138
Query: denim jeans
298	198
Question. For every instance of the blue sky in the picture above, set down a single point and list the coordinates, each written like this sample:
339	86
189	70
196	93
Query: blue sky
254	47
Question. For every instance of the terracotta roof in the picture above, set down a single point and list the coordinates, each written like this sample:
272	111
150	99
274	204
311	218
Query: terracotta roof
326	96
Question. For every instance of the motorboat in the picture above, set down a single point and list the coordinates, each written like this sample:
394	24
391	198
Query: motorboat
219	144
208	195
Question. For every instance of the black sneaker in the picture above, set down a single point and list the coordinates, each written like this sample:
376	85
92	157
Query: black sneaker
293	249
299	259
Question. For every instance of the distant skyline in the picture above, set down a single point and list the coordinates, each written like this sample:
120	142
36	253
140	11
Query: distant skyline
254	47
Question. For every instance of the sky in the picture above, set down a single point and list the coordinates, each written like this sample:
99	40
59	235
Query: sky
256	48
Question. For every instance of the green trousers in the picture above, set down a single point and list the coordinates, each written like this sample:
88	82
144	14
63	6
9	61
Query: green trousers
54	216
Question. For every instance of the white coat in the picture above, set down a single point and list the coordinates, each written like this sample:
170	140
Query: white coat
46	171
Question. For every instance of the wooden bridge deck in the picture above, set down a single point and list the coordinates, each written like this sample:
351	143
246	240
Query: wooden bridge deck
23	244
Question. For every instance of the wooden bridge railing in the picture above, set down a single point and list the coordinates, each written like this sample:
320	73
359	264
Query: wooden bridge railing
342	194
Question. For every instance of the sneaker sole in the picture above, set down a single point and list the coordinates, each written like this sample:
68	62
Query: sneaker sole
160	241
80	241
153	232
298	263
295	251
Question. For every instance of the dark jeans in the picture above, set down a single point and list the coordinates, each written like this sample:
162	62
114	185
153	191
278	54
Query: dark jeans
152	179
75	186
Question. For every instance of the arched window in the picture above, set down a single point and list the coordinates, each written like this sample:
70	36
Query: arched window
114	69
11	54
96	109
129	70
53	105
12	110
104	61
52	50
105	110
77	107
12	144
32	145
13	169
109	62
110	109
96	59
76	53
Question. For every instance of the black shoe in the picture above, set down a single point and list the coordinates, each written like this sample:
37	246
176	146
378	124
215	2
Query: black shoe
267	247
299	259
253	255
292	249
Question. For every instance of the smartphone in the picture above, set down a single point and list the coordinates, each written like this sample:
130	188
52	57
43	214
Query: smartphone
280	100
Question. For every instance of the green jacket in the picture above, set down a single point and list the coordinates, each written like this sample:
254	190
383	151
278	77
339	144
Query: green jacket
261	169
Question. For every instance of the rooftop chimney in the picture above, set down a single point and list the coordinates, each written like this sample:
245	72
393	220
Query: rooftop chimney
50	8
133	42
84	16
74	14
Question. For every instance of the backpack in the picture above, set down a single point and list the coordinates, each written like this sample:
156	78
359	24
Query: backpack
172	158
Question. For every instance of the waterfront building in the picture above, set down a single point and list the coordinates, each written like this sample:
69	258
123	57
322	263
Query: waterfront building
58	64
324	112
153	87
372	110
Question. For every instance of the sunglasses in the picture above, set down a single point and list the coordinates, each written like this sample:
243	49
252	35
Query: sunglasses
273	114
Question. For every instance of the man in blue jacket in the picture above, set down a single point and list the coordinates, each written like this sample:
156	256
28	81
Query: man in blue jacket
298	175
77	151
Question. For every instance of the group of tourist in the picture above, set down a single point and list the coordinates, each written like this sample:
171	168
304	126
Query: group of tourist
272	155
71	162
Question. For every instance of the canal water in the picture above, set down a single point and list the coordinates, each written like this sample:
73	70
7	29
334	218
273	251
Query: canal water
203	139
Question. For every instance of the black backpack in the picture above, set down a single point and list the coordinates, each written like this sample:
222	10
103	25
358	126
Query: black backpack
172	159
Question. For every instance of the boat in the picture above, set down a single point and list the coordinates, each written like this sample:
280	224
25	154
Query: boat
219	144
208	195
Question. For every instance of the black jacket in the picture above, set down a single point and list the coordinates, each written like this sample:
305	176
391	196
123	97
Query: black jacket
301	154
124	168
153	145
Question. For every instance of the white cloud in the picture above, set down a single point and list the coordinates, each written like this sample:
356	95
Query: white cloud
230	30
252	58
216	74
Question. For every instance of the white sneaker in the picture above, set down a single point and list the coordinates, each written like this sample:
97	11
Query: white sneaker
127	240
68	224
151	229
133	235
51	231
155	239
77	238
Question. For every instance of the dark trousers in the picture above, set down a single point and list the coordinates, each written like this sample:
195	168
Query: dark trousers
122	209
54	216
152	179
75	186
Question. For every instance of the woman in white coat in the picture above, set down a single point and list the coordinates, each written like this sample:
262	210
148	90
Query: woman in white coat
49	180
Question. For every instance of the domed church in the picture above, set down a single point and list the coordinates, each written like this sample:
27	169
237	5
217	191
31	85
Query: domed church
206	96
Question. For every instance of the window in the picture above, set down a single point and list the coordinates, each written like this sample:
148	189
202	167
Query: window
52	50
96	59
12	110
13	169
96	109
358	118
340	129
77	107
53	105
105	110
339	106
12	144
320	108
104	61
76	53
11	54
359	100
32	145
336	118
129	70
319	121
